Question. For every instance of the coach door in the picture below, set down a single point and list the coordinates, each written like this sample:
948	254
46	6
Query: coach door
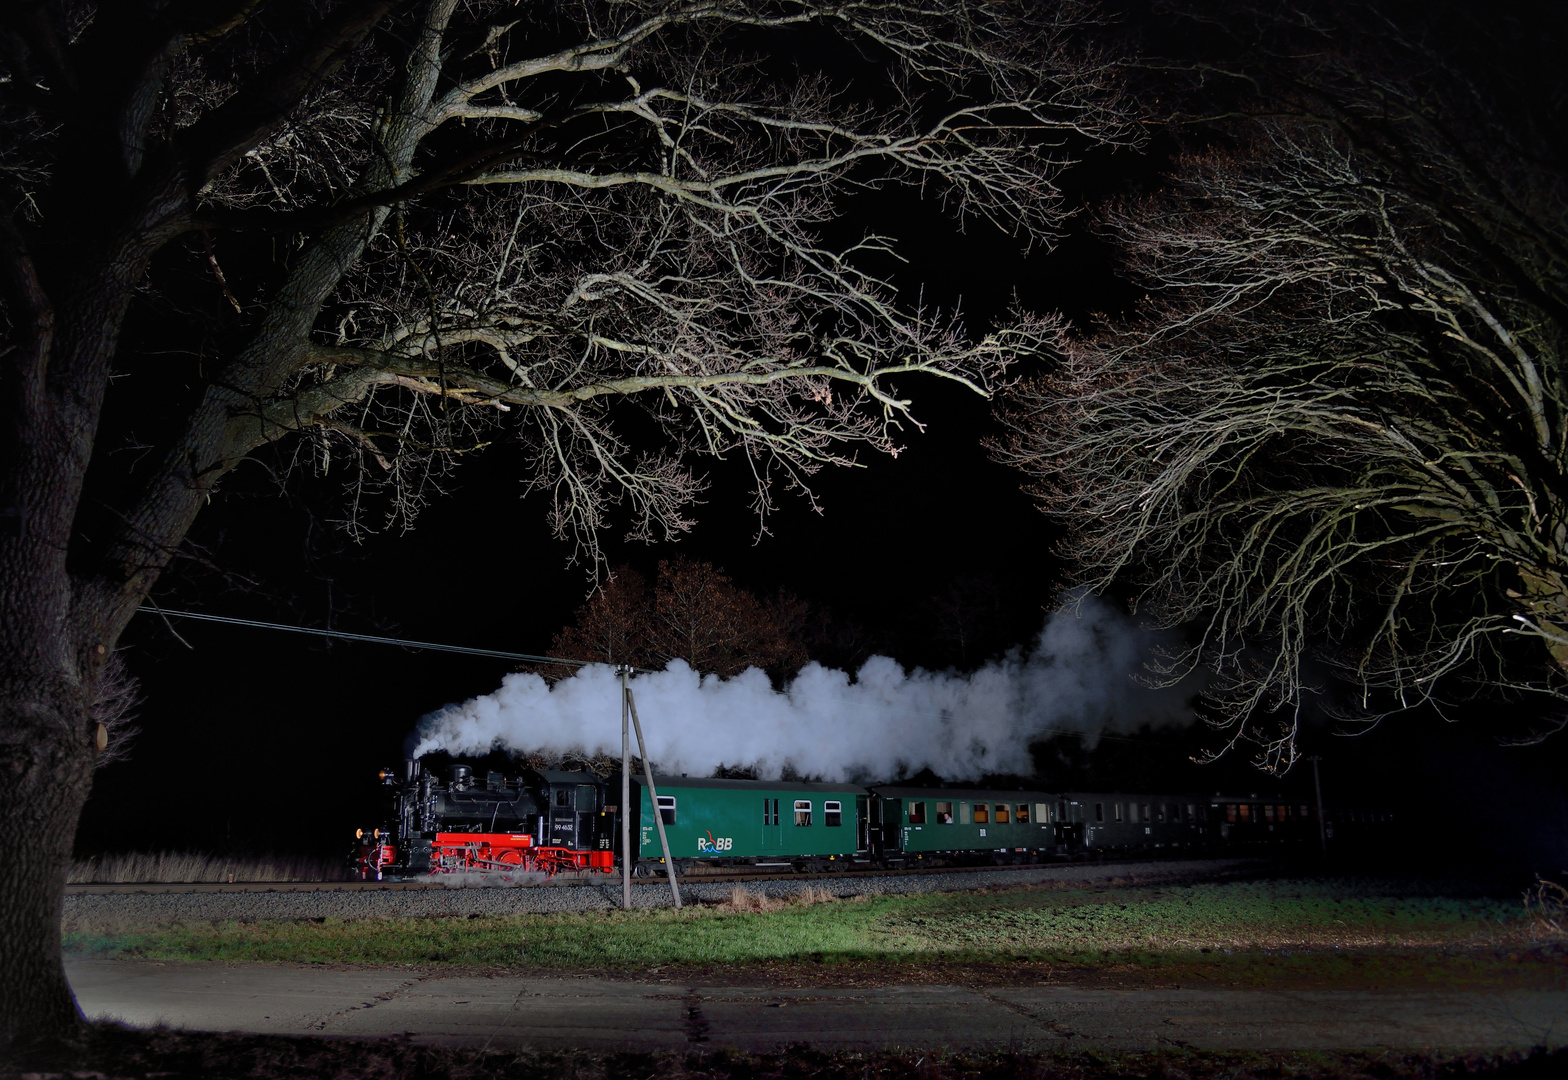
862	825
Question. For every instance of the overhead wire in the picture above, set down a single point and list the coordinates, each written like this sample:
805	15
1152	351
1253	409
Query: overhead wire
372	639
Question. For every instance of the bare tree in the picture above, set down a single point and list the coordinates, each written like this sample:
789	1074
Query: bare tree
967	616
368	233
1337	426
699	615
694	613
611	627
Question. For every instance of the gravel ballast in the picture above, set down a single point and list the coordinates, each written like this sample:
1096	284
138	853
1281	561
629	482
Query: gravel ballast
164	908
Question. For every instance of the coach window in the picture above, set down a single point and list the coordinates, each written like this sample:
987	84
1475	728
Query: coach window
1116	811
1246	812
1003	815
917	813
1022	817
832	814
1146	817
802	811
563	796
770	811
1230	811
944	813
1099	811
1192	812
982	813
1305	813
963	813
1042	813
667	809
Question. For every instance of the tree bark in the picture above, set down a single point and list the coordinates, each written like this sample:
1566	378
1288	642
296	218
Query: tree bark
52	646
46	767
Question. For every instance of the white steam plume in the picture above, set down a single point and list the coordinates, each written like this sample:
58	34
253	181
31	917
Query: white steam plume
883	723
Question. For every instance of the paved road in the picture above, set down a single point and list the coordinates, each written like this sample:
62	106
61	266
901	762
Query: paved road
609	1014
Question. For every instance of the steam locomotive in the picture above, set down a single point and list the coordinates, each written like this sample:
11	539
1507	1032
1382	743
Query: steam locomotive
547	822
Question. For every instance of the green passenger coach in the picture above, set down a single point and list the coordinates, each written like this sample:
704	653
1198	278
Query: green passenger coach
753	821
918	821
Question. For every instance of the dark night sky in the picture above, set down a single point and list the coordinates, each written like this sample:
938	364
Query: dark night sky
254	741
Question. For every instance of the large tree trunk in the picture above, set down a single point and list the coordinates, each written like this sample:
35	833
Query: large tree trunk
46	767
53	645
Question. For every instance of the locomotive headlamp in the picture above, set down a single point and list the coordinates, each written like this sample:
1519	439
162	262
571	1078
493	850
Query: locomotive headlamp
377	834
359	834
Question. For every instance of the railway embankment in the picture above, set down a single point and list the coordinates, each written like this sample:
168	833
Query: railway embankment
91	908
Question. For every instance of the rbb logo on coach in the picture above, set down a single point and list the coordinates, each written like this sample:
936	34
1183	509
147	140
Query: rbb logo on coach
709	844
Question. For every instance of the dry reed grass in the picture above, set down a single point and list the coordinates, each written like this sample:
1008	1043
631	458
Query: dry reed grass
1546	904
743	899
138	867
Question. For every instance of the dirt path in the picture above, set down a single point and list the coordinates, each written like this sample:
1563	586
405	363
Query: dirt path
513	1011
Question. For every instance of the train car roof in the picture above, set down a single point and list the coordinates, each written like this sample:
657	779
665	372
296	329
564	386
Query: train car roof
566	776
1180	796
892	791
1132	795
661	781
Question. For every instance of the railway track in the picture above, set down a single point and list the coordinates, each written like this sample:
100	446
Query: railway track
563	880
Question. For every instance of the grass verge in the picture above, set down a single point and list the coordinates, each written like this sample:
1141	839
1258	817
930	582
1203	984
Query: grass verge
1241	933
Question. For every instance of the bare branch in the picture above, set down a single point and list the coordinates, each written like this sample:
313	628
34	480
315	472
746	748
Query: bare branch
1335	437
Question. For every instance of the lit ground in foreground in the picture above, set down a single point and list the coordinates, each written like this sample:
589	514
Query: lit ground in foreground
1278	977
1266	933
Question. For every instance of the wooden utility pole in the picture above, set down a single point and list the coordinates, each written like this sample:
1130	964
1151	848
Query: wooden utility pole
1317	786
626	794
653	800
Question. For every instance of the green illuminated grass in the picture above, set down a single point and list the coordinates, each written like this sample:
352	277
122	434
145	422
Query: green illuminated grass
1252	931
